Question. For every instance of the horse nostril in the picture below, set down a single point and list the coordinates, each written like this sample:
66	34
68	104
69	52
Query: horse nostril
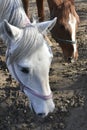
69	59
41	114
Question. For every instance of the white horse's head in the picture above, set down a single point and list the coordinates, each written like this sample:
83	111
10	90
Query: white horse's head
28	58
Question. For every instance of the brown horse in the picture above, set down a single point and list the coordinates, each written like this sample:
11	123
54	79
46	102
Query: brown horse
64	32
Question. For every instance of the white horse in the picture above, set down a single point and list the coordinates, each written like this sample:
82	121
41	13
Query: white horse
28	55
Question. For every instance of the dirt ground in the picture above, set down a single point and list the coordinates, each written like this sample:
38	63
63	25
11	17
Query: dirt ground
68	83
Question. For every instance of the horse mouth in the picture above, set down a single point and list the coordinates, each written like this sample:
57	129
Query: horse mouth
69	60
39	115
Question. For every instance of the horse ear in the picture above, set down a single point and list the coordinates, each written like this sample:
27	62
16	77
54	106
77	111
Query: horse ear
11	31
43	27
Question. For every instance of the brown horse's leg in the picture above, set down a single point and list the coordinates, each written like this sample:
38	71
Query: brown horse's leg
26	4
40	9
51	5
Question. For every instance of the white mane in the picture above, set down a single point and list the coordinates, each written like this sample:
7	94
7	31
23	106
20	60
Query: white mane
13	11
28	44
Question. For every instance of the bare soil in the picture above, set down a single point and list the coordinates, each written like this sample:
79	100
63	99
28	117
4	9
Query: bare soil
68	83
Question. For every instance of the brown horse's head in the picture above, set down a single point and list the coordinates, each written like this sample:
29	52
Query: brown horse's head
64	32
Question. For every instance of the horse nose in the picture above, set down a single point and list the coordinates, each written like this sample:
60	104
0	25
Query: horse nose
70	60
41	115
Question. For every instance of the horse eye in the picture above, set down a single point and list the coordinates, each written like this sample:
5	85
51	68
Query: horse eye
25	70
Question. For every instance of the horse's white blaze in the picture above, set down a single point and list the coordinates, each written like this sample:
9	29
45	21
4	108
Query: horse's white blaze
72	23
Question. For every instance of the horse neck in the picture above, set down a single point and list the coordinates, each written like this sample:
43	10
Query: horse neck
13	11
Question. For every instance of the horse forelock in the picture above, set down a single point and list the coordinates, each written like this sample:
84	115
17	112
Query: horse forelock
69	8
62	9
27	45
65	7
13	11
